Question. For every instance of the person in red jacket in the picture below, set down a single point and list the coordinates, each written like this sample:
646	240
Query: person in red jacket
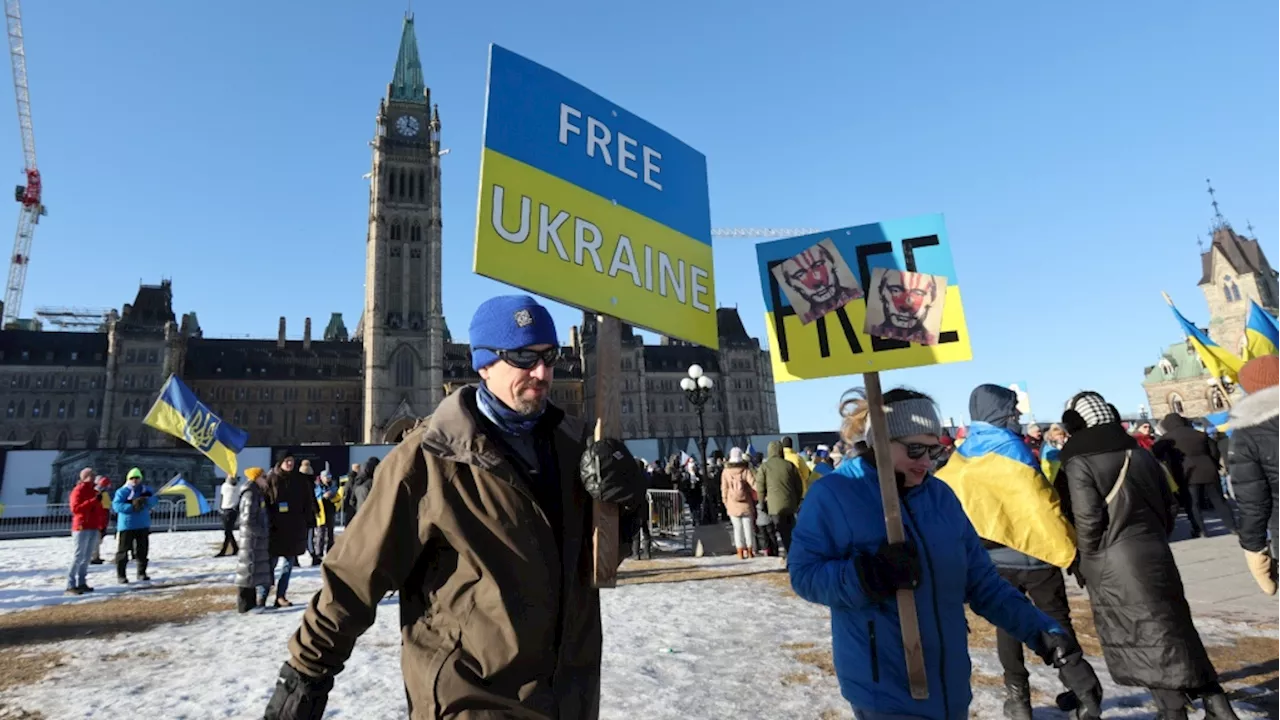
103	486
88	517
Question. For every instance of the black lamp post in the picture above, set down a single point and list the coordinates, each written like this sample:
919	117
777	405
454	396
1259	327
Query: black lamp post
697	387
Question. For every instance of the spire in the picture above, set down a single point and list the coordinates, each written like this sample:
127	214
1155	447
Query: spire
408	85
1219	222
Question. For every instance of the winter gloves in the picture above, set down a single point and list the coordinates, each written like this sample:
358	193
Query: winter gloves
1263	567
610	474
298	697
1060	649
892	568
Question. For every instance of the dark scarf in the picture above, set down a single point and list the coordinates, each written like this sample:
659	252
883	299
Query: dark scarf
507	420
1108	437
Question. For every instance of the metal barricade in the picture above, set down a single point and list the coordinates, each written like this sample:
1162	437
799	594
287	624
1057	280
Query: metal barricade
667	517
37	521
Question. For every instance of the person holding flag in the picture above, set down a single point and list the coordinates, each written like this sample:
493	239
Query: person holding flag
133	503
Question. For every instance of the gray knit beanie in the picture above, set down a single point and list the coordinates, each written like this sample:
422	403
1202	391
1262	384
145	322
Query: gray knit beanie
916	416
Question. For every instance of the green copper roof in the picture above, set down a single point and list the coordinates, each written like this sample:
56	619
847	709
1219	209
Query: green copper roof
408	85
1182	361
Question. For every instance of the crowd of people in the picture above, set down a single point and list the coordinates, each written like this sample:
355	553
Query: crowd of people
481	520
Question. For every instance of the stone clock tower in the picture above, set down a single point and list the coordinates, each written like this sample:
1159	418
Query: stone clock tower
403	319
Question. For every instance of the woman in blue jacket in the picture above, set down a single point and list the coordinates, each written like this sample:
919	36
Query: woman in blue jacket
841	558
133	503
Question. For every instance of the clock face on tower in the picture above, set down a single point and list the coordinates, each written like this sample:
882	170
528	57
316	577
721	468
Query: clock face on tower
407	125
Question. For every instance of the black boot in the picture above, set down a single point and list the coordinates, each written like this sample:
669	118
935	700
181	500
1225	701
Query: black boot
142	570
1216	707
1017	699
120	576
245	600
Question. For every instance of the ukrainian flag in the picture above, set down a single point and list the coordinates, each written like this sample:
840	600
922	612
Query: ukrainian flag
1220	362
195	502
1261	333
178	413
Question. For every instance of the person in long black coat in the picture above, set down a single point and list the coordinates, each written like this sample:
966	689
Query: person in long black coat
291	507
1193	459
1123	513
253	569
1255	427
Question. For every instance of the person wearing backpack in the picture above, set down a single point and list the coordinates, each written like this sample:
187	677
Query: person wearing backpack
738	489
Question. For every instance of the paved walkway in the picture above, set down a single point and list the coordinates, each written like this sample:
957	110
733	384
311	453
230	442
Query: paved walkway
1215	576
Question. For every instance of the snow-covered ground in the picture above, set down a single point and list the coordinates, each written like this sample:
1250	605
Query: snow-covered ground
721	648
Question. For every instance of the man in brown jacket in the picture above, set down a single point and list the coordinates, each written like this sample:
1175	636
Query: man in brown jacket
480	521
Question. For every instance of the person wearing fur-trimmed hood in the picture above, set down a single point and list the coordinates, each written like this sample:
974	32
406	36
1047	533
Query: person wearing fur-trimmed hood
1251	460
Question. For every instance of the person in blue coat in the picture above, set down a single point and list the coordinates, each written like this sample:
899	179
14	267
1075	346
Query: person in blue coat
842	559
133	503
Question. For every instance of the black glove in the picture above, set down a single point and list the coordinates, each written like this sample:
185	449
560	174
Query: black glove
1056	648
892	568
298	697
611	474
139	503
1074	570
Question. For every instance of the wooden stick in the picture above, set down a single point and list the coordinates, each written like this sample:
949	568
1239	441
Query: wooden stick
908	617
608	413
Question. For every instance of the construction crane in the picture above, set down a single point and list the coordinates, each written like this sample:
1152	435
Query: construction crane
761	232
28	195
73	318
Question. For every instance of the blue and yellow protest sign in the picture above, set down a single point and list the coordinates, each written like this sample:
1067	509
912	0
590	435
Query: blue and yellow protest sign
178	413
583	202
862	299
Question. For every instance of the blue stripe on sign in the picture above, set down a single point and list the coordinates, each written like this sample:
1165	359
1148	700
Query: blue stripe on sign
523	120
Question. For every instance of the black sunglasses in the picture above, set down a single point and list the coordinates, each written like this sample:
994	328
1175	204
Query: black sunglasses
915	451
527	359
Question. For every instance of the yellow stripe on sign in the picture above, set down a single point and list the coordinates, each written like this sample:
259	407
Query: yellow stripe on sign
553	238
849	354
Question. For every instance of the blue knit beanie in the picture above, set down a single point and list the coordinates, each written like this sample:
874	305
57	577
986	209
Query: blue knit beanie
509	322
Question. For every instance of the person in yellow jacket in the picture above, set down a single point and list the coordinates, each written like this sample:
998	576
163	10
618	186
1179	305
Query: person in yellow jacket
790	455
1019	517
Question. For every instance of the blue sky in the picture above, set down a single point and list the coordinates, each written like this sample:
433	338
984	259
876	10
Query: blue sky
222	145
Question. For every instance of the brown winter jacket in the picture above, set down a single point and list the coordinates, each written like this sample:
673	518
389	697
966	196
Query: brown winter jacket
730	480
495	622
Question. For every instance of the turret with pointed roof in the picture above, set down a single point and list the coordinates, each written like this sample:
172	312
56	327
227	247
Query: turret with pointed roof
408	85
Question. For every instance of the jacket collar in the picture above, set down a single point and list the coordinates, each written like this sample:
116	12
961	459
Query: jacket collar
1108	437
1256	409
454	433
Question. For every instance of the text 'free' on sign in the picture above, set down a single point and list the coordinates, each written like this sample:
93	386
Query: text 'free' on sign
875	297
585	203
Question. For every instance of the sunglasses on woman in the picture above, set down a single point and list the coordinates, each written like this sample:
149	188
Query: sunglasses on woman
915	451
527	359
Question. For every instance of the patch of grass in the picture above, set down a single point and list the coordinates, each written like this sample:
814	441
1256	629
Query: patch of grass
820	659
796	678
830	714
26	668
793	646
122	614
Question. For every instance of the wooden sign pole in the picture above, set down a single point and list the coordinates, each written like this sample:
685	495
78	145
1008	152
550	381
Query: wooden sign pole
608	412
908	617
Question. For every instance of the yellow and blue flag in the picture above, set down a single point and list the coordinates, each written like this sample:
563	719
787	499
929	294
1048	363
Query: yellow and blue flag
179	413
195	502
1219	361
1261	332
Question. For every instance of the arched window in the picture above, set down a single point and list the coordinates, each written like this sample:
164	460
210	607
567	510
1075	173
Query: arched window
71	410
395	232
422	186
122	440
415	233
142	436
93	409
1229	289
9	412
45	410
125	410
404	367
37	440
333	416
61	443
262	417
137	408
35	409
413	182
91	440
235	418
22	408
1216	401
1175	403
62	411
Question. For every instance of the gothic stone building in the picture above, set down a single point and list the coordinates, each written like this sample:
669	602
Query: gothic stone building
80	390
1234	270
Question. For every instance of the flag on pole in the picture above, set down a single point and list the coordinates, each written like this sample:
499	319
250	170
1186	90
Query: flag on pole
195	502
178	413
1261	333
1219	362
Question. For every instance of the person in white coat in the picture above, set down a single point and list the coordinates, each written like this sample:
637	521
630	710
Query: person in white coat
230	495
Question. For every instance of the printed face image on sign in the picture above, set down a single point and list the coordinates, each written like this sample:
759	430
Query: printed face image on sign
906	306
817	281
